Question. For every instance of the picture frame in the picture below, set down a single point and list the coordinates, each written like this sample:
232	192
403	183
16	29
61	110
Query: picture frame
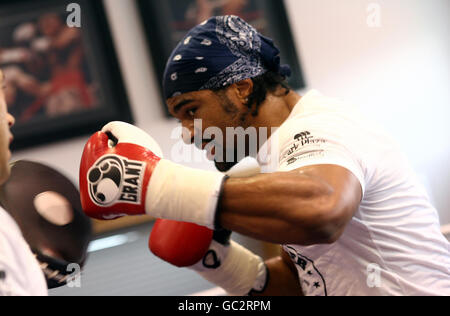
62	78
166	23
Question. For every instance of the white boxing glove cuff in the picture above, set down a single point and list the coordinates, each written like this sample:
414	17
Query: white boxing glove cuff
184	194
234	268
127	133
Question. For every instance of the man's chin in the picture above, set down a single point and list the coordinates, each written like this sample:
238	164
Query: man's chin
226	166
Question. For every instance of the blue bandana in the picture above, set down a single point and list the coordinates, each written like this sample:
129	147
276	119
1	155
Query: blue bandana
217	53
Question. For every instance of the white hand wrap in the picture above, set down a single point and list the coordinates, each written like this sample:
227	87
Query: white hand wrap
190	195
183	194
234	268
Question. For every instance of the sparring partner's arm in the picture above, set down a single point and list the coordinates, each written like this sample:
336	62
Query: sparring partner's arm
307	206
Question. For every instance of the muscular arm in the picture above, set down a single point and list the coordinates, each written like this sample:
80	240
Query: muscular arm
311	205
283	278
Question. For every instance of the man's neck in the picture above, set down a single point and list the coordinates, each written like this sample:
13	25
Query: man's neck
273	113
276	110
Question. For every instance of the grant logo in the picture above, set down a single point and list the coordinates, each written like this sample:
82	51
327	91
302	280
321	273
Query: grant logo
114	179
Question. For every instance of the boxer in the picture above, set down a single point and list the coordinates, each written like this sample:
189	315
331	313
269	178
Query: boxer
20	273
338	195
43	231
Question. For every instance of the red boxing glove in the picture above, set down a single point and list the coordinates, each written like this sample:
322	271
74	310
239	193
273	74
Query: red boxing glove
114	180
180	244
212	255
130	178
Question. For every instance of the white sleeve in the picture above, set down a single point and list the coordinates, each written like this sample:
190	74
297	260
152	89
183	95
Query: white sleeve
319	140
10	283
20	274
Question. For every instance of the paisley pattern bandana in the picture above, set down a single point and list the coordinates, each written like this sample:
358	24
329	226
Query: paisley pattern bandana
217	53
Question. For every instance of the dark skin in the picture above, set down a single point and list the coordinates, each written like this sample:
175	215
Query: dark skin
307	206
283	278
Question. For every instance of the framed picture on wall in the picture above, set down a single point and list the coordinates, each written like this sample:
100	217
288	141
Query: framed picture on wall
62	77
167	22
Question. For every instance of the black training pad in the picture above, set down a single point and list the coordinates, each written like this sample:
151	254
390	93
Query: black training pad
29	179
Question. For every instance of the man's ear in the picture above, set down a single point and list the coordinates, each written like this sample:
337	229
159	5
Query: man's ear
244	89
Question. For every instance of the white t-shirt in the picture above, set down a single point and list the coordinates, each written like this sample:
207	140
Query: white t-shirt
393	244
20	274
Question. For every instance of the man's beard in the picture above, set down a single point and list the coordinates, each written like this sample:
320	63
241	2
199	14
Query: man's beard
231	109
224	166
227	164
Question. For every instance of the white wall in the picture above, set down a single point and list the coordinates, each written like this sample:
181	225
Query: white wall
397	73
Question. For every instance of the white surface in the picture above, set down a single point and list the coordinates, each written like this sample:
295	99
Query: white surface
397	74
21	271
